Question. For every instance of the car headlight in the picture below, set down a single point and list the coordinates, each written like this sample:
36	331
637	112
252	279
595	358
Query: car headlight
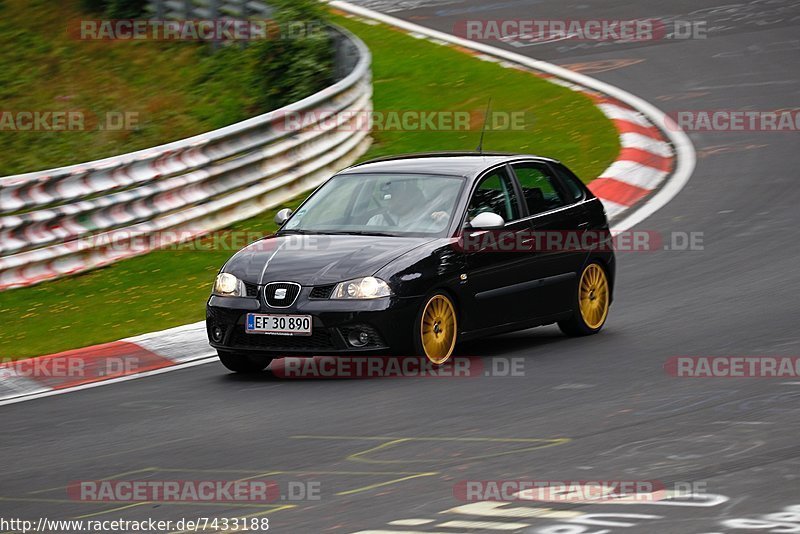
362	288
227	285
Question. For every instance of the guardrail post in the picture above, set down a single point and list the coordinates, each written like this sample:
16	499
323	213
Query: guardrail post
159	9
244	14
213	6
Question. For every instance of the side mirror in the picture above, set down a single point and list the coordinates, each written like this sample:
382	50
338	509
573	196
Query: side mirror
487	221
282	216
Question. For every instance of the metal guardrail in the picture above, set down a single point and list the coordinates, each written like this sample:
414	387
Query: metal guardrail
208	9
62	221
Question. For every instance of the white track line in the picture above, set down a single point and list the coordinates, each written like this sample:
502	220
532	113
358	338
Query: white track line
410	522
484	525
111	381
11	386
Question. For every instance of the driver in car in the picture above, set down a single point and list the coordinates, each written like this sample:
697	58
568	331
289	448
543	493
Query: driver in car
405	206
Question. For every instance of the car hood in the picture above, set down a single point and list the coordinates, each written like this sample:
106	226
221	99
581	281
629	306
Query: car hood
317	259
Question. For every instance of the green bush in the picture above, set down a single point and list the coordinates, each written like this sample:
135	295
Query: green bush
94	6
293	65
116	9
125	9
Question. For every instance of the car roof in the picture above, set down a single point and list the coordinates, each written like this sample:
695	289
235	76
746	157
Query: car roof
467	164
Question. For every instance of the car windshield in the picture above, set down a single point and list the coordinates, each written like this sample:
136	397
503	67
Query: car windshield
393	204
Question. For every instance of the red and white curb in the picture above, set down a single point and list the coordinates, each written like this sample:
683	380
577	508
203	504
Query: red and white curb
126	359
653	166
645	161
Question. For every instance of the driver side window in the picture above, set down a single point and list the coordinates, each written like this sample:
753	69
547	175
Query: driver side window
496	194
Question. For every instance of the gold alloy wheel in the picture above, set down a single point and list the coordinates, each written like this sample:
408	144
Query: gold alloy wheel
593	296
438	329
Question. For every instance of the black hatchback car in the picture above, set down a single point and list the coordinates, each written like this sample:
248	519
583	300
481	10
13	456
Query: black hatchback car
413	254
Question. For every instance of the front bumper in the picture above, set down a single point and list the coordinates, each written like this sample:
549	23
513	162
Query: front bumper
387	321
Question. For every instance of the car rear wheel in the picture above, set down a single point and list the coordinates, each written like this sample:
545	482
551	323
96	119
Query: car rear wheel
242	363
436	329
593	299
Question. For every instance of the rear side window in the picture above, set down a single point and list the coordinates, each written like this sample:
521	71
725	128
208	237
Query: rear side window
571	183
539	187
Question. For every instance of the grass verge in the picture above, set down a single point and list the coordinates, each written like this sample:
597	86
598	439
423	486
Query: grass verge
169	287
127	95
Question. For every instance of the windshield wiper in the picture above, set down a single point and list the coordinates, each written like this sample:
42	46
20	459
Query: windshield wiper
304	232
331	232
363	232
292	231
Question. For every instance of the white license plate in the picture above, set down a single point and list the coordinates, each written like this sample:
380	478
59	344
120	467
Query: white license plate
282	325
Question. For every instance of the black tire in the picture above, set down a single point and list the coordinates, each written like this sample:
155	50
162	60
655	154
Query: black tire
242	363
577	325
449	343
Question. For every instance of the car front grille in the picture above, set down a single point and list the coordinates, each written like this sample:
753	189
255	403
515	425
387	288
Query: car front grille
281	294
251	289
321	292
320	340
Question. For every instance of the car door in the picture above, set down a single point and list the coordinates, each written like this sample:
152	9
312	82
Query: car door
556	220
496	273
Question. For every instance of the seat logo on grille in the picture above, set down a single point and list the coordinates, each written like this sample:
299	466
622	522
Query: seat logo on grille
281	294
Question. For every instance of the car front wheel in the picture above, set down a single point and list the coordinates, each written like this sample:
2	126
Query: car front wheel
593	299
436	329
242	363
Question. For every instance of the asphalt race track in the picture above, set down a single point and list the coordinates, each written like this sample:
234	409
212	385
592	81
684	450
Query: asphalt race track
600	408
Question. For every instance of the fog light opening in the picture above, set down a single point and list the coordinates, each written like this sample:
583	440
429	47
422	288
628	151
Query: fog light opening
217	334
358	338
